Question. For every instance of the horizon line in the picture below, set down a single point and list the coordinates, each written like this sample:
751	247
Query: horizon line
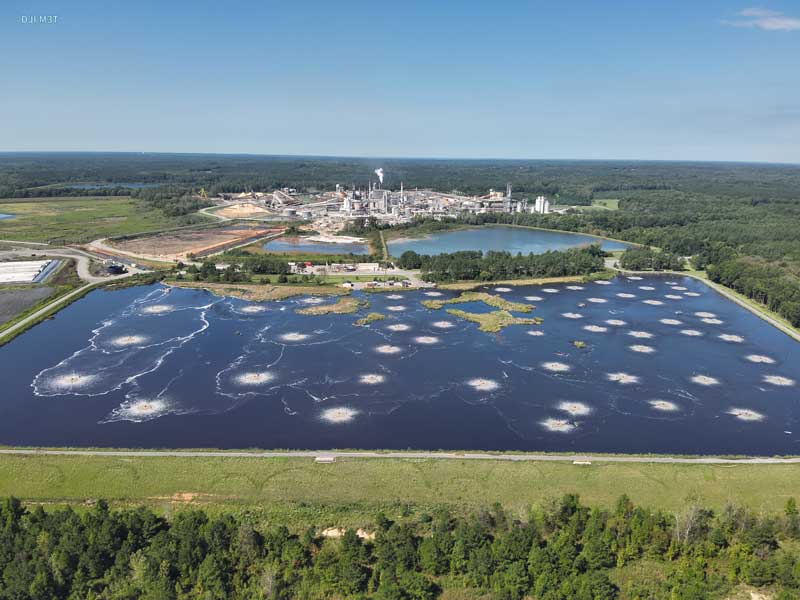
400	157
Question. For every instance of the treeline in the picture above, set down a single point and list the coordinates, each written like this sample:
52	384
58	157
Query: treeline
568	182
475	265
564	551
647	259
172	201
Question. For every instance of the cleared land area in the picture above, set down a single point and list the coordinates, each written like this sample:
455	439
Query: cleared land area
175	245
18	299
78	220
236	211
350	491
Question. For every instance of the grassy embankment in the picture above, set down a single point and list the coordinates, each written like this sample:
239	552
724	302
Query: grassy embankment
494	321
261	292
78	220
488	299
343	306
298	492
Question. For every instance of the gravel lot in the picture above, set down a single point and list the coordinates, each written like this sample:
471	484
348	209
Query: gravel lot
13	302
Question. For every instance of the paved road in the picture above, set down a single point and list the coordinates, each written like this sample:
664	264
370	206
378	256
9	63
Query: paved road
581	458
82	260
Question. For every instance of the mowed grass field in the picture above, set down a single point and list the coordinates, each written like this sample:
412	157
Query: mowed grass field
351	491
77	220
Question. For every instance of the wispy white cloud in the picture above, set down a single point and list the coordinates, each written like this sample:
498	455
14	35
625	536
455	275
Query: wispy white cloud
762	18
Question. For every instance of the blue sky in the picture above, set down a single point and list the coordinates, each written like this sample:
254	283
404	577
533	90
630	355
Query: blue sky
670	80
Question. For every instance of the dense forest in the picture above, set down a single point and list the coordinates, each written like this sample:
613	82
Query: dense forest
647	259
562	551
574	182
492	266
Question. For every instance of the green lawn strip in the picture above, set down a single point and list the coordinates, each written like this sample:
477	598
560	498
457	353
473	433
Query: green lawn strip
358	486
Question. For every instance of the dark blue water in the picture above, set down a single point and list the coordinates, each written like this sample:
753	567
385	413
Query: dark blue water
6	216
189	365
301	245
511	239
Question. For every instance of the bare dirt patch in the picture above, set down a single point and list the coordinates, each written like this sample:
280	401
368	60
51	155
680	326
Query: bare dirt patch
176	245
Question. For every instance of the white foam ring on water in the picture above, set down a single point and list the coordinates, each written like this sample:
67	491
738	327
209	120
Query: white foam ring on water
388	349
157	309
60	379
644	335
779	380
760	359
312	300
730	337
705	380
746	414
670	321
139	410
338	415
602	282
535	333
396	308
705	315
663	405
691	294
673	297
502	289
550	290
597	300
255	309
691	332
572	315
442	324
642	349
482	384
575	287
653	302
293	336
595	328
634	278
426	339
399	327
558	425
251	378
616	322
129	340
622	378
678	288
371	378
394	297
434	294
576	409
626	295
556	367
534	298
712	321
646	288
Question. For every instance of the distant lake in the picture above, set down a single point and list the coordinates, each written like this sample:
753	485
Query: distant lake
669	365
98	186
6	216
510	239
303	246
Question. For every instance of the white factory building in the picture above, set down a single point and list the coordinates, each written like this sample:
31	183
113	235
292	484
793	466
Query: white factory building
541	206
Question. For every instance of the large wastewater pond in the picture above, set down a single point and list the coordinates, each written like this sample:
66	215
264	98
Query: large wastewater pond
499	238
668	366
